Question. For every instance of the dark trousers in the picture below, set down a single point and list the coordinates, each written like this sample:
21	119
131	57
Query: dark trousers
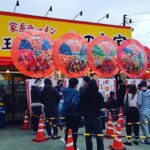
49	124
35	119
49	127
73	123
132	116
93	125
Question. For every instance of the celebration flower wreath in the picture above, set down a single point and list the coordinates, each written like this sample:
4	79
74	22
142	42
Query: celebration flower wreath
102	56
132	58
32	53
70	55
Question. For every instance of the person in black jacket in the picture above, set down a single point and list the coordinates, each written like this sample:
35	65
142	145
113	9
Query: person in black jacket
50	99
36	105
121	93
86	80
112	105
91	103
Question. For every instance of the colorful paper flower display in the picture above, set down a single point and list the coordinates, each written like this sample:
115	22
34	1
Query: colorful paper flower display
132	58
32	53
70	55
102	56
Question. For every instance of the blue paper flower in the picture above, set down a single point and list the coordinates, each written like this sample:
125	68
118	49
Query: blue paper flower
128	51
25	44
65	49
45	45
83	50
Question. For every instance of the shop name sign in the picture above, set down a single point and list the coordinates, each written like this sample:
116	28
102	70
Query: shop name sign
13	24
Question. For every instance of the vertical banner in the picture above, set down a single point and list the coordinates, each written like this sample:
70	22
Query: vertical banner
106	85
133	81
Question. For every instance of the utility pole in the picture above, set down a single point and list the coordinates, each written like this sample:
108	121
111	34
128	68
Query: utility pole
124	20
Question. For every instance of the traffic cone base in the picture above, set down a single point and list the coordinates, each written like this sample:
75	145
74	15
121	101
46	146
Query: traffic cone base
40	141
40	137
115	148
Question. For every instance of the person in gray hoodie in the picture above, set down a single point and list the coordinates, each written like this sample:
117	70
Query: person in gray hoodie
144	108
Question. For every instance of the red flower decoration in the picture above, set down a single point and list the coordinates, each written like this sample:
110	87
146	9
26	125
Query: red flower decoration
32	53
70	55
102	56
132	58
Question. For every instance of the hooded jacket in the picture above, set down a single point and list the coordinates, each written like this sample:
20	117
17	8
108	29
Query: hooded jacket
71	102
144	102
50	98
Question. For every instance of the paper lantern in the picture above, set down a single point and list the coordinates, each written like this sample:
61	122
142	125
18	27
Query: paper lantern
102	56
32	53
132	58
70	55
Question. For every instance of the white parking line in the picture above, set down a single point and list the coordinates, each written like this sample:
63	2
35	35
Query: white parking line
65	142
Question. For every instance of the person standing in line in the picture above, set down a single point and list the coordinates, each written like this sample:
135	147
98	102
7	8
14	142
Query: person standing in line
144	108
112	105
60	88
86	80
121	93
132	114
70	109
82	89
50	98
91	103
36	105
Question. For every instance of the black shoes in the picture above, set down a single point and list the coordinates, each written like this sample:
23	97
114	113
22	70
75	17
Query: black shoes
136	142
127	143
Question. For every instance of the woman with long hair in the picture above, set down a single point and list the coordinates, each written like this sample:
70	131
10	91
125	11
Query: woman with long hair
91	103
132	114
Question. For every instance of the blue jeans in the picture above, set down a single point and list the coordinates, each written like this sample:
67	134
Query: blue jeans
145	126
93	125
59	121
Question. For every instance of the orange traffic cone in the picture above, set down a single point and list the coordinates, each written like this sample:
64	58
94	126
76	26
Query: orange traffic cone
121	118
26	121
69	145
40	137
117	144
110	128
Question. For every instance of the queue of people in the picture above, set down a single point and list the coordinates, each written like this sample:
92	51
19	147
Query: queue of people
137	109
74	103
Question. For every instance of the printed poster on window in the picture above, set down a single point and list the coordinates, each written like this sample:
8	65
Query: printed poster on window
106	85
133	81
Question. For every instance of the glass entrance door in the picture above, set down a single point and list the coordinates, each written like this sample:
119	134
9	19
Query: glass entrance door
14	96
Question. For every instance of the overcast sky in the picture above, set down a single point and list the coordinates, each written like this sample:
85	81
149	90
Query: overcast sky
93	10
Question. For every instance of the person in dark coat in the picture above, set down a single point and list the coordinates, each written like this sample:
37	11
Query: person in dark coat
50	98
91	103
70	109
112	105
121	93
86	80
36	105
